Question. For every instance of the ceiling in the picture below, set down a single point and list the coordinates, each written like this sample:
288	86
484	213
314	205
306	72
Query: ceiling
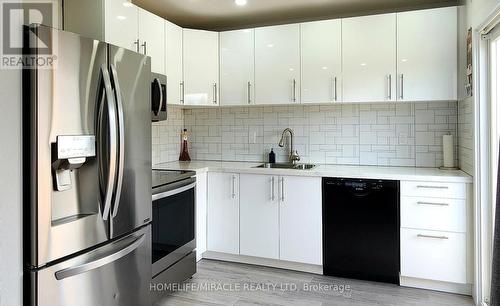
220	15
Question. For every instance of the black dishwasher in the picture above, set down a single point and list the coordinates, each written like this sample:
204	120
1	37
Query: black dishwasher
361	229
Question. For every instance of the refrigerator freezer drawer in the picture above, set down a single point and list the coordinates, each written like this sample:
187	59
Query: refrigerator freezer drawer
116	274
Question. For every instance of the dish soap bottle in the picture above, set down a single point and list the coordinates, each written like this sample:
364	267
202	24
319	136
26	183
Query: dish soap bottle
184	146
272	157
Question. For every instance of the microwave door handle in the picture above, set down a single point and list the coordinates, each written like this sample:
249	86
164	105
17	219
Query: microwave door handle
160	105
121	140
109	99
102	261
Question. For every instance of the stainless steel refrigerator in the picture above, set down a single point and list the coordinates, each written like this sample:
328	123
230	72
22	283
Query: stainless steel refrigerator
87	173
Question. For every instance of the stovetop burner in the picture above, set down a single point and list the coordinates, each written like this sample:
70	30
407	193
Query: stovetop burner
165	177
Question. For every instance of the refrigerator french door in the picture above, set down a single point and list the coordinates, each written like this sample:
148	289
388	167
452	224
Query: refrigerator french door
87	173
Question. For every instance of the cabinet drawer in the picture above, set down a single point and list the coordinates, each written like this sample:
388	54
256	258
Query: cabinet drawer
434	190
433	255
434	214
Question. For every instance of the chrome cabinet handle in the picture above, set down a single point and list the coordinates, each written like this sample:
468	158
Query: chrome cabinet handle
389	80
144	45
335	88
113	142
430	236
73	271
272	189
401	96
233	193
137	43
121	139
215	93
432	187
431	203
249	88
294	97
182	92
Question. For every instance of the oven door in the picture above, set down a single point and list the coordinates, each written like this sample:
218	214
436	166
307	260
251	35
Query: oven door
173	223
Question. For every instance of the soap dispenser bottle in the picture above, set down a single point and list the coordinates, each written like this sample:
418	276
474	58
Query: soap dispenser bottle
272	157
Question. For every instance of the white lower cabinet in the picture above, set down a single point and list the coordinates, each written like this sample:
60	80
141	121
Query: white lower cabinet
301	219
434	244
259	216
280	218
201	215
223	230
434	255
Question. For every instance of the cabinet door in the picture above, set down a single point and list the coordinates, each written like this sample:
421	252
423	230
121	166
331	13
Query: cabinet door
223	213
277	64
201	67
121	24
237	67
427	55
201	215
300	219
369	58
152	37
321	46
259	228
173	49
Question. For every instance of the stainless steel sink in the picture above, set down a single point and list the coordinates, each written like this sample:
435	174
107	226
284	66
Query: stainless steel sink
287	166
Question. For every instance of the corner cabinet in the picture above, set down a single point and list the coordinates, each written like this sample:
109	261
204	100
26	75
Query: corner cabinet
201	67
237	77
427	55
321	53
223	225
173	69
369	58
277	64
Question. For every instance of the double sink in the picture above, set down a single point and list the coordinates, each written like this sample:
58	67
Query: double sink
287	166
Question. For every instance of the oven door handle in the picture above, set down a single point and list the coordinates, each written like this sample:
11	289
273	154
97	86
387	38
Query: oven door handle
173	192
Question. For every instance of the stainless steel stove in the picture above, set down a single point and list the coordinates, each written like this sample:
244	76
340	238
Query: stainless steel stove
173	256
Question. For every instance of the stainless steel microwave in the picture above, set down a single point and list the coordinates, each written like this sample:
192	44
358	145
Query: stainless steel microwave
158	97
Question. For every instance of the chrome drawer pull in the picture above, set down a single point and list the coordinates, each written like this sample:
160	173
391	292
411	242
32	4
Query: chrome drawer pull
435	204
430	236
432	187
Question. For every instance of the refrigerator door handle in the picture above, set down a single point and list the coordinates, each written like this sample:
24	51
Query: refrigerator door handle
121	140
109	98
101	261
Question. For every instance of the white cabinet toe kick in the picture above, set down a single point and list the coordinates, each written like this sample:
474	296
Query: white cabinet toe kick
276	221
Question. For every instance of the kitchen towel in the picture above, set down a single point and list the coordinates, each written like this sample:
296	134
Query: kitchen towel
448	158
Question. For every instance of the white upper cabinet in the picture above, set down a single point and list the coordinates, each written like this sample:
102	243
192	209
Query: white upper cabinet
121	23
223	228
277	64
369	58
321	52
201	67
173	69
152	39
259	216
237	67
427	55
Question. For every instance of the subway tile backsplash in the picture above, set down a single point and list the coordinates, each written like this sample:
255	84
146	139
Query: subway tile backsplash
388	134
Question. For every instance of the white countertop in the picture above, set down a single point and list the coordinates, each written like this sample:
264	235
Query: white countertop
362	172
